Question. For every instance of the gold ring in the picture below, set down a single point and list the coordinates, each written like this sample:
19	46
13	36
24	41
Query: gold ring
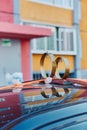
42	64
66	67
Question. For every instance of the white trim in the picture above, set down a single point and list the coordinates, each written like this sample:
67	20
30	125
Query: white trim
31	22
53	52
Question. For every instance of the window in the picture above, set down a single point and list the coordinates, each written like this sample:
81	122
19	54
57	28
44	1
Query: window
66	40
60	3
44	44
63	41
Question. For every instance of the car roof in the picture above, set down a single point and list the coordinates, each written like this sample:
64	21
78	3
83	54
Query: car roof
51	100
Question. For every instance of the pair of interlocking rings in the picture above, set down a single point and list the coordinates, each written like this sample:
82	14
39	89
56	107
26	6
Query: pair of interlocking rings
55	63
54	72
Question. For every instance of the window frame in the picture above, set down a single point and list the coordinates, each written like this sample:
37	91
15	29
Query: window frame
55	51
67	30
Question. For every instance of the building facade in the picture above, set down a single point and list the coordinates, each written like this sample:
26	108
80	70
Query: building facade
60	17
67	21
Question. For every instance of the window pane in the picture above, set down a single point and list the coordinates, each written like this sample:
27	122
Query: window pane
40	44
69	41
72	41
62	42
71	3
50	43
46	1
57	38
57	45
57	2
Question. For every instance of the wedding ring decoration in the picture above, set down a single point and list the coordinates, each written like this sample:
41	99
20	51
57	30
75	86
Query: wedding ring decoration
61	59
42	64
54	72
55	63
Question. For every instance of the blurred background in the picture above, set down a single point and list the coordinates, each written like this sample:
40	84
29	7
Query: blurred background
29	28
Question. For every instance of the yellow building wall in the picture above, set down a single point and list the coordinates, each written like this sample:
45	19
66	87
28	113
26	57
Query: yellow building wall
83	22
83	33
42	13
84	50
47	63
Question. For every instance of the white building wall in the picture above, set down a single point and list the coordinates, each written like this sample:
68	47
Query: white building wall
10	60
